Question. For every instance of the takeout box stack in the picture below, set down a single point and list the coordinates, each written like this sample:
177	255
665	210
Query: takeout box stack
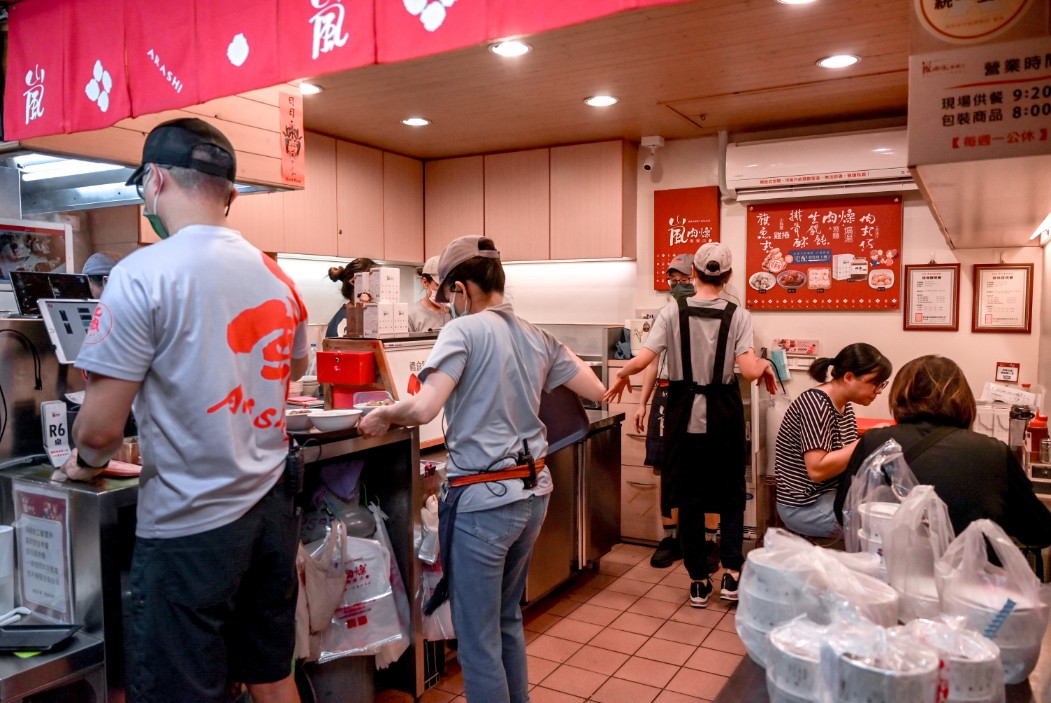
827	631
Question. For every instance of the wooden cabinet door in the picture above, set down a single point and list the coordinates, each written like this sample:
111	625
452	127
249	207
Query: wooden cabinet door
310	214
453	201
518	204
259	217
402	208
593	201
359	192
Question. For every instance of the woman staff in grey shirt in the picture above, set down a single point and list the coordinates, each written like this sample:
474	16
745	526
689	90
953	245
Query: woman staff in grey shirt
488	369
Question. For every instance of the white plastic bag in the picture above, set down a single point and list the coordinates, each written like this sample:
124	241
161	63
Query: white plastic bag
1007	603
367	617
970	668
391	651
321	582
439	624
919	534
865	662
879	486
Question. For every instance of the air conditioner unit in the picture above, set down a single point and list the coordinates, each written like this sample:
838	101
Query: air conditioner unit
840	164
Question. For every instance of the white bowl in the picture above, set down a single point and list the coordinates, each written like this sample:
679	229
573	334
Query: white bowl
794	658
875	518
333	420
297	420
765	613
979	604
767	574
858	680
755	640
970	664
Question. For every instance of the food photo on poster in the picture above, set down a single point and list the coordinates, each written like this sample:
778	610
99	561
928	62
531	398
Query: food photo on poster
829	254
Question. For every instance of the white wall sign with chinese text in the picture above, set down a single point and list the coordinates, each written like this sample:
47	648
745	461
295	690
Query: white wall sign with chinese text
1007	371
42	531
980	102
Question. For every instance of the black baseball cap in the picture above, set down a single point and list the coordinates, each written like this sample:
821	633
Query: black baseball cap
175	142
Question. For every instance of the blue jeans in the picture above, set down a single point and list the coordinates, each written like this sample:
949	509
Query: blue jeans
490	561
814	520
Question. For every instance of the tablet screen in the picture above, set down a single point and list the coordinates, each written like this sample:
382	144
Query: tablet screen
67	323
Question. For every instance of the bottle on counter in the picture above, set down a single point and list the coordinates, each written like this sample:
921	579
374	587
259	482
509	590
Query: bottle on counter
312	361
1037	438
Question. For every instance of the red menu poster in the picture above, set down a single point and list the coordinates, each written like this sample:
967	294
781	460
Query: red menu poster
683	220
841	254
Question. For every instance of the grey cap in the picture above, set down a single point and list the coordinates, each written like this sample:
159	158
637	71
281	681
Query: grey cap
713	259
100	264
430	268
458	251
683	263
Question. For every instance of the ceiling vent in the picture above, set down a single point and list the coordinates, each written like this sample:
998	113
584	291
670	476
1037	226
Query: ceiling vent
840	164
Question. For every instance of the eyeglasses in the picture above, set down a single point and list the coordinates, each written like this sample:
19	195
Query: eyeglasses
877	386
672	280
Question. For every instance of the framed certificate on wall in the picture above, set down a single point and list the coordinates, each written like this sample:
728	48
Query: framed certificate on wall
932	297
1003	298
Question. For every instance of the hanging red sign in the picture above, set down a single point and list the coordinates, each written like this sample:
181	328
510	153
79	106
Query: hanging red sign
162	64
237	44
293	153
683	220
316	37
96	83
34	103
414	28
842	254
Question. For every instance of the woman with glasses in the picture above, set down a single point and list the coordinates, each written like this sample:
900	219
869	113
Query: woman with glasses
818	435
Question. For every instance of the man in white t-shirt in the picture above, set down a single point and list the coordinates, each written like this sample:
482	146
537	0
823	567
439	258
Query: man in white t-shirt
202	332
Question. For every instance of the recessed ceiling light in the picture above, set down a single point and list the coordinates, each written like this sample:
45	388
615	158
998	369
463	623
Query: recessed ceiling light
510	49
838	61
309	89
416	121
601	100
796	2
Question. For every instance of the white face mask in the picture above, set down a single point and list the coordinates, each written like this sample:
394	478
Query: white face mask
433	296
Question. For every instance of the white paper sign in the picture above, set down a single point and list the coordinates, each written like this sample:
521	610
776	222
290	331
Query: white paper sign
980	102
56	435
42	529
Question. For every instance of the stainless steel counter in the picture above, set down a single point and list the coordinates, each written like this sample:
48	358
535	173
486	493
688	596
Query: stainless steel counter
583	514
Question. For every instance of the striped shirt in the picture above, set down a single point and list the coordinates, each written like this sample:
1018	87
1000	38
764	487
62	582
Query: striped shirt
811	422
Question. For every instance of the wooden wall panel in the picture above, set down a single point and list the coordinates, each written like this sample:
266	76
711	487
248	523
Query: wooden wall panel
518	204
359	194
402	208
453	201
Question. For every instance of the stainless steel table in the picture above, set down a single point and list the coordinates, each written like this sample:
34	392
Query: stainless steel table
81	659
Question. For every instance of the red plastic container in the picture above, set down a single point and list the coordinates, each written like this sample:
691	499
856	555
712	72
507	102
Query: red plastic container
348	368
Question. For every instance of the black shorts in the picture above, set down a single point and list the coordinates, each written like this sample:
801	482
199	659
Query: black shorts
214	608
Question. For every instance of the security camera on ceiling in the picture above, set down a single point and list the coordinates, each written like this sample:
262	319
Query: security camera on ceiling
652	143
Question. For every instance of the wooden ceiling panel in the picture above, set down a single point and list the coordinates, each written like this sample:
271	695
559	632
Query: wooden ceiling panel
747	64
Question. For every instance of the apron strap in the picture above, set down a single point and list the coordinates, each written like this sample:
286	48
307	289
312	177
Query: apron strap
724	316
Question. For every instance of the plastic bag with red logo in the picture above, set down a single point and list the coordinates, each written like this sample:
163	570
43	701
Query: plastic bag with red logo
390	652
367	617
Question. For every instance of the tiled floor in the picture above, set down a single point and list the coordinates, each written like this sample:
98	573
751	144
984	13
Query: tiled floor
623	634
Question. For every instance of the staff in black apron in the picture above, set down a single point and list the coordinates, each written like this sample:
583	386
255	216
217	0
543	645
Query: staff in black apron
655	389
709	466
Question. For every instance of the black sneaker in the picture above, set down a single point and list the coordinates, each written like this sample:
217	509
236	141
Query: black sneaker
699	592
729	587
667	552
713	555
